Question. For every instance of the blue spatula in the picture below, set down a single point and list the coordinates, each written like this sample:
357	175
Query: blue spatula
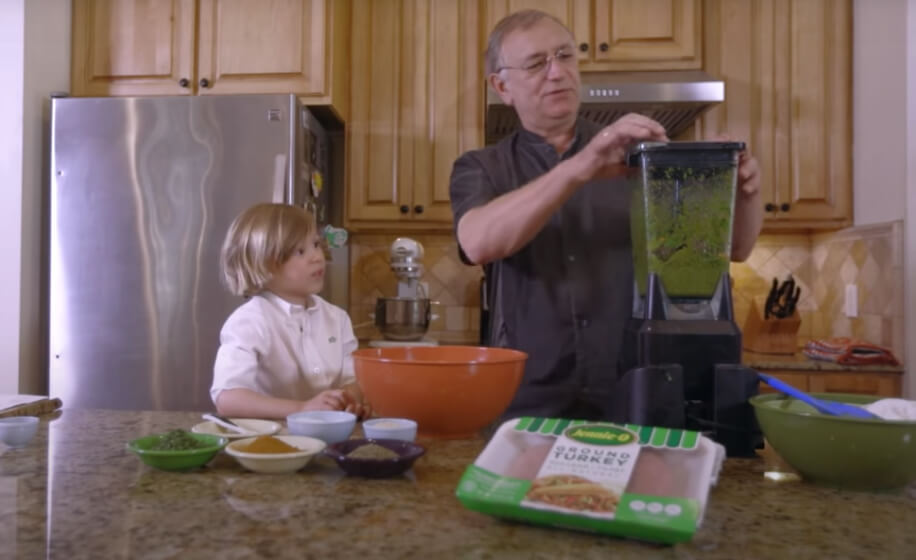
832	408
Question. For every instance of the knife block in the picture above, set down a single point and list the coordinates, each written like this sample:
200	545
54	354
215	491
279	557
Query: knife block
770	336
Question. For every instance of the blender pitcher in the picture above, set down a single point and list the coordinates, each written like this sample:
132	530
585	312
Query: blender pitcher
681	218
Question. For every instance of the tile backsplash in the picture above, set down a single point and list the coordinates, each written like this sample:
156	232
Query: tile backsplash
869	257
453	286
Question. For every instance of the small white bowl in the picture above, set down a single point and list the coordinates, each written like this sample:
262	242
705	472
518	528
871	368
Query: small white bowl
390	428
18	431
330	426
253	426
277	463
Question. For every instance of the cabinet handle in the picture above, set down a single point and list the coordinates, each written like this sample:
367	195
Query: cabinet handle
784	207
603	47
418	208
583	47
184	82
769	207
204	83
404	209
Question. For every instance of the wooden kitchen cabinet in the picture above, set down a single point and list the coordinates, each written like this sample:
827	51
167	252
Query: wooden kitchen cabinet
787	68
621	35
417	104
882	384
866	383
188	47
128	47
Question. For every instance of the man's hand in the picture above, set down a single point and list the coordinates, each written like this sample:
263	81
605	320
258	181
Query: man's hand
605	155
748	174
748	169
748	218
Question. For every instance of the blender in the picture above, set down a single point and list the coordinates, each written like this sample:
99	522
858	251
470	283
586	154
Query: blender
680	363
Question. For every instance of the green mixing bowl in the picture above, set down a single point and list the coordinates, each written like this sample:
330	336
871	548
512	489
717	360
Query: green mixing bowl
835	450
183	460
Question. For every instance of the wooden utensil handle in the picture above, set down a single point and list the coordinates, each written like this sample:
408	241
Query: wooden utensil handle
36	408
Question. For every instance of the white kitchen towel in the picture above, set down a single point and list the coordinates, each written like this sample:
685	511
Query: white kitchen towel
893	409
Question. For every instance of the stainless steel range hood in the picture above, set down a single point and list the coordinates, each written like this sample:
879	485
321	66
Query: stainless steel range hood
675	99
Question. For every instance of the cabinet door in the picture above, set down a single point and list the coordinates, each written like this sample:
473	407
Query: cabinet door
818	96
132	47
378	156
268	46
575	14
881	384
417	104
446	101
787	70
646	35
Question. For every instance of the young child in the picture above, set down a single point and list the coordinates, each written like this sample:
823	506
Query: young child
285	349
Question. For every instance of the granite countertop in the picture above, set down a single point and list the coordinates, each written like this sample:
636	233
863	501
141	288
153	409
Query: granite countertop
799	361
76	492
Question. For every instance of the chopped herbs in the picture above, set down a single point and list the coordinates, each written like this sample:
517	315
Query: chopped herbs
177	440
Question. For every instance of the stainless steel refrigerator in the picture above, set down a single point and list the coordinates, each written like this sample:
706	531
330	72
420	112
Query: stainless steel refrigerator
142	192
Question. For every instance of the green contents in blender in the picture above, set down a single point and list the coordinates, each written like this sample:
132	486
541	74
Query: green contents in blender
681	225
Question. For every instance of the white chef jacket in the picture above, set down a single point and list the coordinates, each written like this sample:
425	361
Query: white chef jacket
284	350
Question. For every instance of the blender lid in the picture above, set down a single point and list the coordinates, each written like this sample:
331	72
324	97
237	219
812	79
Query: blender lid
681	149
697	146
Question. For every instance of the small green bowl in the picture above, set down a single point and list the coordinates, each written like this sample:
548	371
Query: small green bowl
183	460
839	451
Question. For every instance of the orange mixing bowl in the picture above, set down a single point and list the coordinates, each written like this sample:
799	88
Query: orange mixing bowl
451	391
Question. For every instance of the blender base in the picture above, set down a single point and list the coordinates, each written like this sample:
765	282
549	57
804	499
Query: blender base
686	374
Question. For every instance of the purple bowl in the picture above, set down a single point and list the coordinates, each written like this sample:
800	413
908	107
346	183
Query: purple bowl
407	451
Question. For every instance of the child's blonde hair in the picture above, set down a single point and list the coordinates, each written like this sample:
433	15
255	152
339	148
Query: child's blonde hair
258	242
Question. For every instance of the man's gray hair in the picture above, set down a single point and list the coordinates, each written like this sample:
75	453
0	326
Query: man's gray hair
522	19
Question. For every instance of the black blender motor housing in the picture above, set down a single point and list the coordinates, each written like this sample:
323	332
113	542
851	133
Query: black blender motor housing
681	354
686	373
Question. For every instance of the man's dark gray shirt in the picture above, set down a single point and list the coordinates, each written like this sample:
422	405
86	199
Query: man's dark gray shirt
563	298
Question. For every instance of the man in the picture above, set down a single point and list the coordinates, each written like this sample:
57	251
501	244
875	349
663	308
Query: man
546	214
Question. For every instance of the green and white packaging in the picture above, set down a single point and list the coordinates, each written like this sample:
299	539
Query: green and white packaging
632	481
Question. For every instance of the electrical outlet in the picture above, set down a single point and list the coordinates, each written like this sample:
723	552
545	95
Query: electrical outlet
851	305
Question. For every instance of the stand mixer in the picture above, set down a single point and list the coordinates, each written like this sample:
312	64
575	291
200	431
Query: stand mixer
405	318
406	260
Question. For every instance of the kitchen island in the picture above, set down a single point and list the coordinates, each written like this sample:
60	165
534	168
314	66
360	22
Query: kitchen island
76	492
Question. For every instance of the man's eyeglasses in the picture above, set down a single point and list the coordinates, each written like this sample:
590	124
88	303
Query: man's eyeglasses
564	55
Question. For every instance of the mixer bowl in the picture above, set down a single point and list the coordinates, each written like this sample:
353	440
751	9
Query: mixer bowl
402	318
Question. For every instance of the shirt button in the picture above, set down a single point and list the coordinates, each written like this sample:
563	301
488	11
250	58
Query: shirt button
572	258
583	323
316	370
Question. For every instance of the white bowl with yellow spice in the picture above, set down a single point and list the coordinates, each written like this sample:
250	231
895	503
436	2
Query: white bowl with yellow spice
275	454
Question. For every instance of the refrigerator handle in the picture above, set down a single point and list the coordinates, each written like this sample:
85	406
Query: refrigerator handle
280	178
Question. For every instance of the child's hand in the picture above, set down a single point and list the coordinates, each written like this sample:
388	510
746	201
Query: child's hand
361	409
333	399
357	404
